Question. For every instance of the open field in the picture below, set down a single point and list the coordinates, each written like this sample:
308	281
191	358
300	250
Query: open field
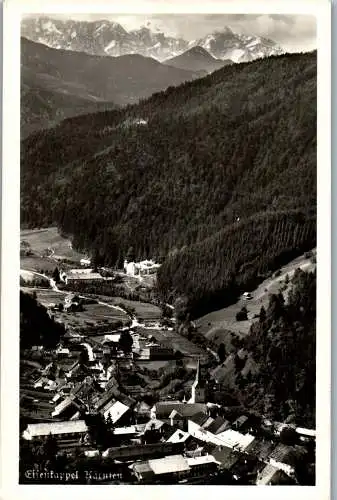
37	263
169	338
93	315
143	310
218	325
46	296
41	240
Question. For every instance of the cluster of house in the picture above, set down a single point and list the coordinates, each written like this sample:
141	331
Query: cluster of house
170	442
143	268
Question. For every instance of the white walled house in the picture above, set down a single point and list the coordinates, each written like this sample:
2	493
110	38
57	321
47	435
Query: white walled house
142	268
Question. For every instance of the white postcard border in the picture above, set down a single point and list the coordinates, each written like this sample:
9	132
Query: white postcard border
10	265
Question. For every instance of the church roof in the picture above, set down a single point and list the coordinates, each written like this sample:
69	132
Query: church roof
199	418
163	409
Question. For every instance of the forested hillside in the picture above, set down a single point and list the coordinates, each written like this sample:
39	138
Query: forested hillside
56	84
283	346
218	182
36	327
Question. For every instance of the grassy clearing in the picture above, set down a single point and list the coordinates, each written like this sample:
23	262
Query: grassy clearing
41	240
218	325
46	297
93	315
172	339
38	264
143	310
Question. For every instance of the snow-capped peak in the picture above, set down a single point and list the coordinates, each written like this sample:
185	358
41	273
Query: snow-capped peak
106	37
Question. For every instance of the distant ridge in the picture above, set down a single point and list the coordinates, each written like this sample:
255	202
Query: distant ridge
56	84
197	59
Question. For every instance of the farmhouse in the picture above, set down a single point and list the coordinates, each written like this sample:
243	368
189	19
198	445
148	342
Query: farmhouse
83	277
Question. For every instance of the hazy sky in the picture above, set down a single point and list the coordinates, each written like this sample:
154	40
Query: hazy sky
292	32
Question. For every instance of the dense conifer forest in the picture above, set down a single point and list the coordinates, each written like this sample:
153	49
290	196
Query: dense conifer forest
283	346
219	184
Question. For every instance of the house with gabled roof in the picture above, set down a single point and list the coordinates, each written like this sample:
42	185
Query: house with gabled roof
271	475
116	411
178	436
218	425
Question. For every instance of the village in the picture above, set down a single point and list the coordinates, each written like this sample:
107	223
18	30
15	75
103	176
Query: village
138	402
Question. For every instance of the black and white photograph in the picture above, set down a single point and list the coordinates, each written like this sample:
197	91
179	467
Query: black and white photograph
168	249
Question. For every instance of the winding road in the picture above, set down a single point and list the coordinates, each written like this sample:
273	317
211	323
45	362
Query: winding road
134	321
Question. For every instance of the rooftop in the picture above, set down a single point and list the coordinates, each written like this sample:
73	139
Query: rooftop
218	425
164	408
203	459
84	276
199	418
234	439
178	436
224	455
173	463
154	424
44	429
116	410
260	448
272	475
286	454
306	432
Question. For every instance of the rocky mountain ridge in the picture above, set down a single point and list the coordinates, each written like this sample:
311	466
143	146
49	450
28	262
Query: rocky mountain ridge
104	37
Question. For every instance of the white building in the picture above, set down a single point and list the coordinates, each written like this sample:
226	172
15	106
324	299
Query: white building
68	428
85	262
141	268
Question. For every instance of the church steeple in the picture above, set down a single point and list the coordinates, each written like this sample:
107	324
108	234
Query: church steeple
198	389
197	375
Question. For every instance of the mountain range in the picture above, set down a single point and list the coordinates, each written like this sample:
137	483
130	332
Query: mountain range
56	84
110	38
197	59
